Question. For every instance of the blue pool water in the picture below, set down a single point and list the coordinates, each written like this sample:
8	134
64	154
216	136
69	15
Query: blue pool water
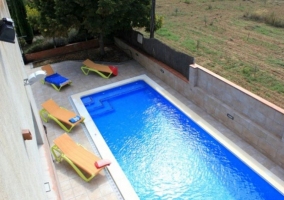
166	155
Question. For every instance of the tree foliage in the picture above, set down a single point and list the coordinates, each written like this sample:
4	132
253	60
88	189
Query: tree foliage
19	16
98	17
49	25
159	20
33	17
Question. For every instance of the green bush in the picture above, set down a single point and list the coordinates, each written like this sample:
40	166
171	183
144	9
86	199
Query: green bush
158	23
33	16
38	45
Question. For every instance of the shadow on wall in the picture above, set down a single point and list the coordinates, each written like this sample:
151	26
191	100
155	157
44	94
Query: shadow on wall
174	59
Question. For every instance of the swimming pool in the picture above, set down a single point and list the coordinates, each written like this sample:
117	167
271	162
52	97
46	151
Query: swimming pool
180	162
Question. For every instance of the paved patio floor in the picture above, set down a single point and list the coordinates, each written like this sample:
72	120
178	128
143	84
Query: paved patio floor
102	187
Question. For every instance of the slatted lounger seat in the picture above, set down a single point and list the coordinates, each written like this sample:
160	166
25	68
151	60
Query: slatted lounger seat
85	163
104	71
66	119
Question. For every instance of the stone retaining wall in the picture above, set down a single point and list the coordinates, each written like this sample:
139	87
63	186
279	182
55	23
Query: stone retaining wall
71	48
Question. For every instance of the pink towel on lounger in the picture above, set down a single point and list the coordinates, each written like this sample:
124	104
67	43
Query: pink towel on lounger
102	163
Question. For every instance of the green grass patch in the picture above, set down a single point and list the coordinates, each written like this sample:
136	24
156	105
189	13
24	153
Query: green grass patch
240	22
276	62
178	12
209	39
200	45
164	32
249	72
205	36
187	1
263	30
270	82
253	75
203	1
269	31
196	32
213	26
257	27
240	7
190	44
232	65
258	42
209	51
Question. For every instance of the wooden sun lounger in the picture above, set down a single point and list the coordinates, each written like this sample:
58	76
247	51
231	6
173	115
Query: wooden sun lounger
82	160
59	114
50	73
48	69
104	71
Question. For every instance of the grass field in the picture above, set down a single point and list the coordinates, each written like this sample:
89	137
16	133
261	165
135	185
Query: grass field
222	38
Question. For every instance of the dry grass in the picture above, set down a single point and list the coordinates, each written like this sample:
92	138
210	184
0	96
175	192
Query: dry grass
248	53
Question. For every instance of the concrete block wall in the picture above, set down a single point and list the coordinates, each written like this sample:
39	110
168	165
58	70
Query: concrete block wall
256	120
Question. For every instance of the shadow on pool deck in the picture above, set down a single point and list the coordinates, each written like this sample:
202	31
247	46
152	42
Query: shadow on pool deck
102	186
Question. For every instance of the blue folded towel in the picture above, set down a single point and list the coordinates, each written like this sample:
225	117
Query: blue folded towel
74	119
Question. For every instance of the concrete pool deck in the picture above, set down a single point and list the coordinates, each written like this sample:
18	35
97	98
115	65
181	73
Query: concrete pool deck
102	186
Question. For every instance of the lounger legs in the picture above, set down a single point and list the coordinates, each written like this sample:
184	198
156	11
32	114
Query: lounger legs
55	87
61	124
86	71
45	116
55	150
59	88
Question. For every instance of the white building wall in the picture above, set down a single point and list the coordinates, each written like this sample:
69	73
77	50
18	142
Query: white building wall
20	172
